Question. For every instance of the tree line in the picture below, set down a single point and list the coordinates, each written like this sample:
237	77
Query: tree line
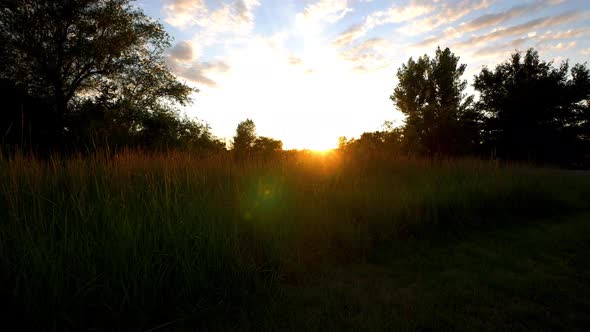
528	110
247	144
89	74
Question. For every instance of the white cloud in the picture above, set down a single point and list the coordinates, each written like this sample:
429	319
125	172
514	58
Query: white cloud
479	23
323	11
181	13
495	19
563	35
230	23
448	13
523	28
394	14
561	46
499	50
235	16
370	55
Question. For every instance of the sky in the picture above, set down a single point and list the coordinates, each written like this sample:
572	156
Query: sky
309	71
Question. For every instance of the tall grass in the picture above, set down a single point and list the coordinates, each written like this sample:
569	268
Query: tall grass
135	240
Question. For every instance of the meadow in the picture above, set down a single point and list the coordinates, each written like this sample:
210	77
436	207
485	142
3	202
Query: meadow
140	241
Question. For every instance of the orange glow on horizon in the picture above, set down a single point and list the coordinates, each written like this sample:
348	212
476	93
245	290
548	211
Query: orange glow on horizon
322	152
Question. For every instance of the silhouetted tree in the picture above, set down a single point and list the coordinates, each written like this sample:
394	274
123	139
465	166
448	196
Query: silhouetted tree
267	144
164	129
430	92
247	143
104	52
387	141
535	111
267	148
245	137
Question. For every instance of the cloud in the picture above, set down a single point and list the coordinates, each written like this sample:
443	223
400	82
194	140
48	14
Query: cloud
195	74
199	73
354	32
228	23
490	20
372	54
182	51
235	16
394	14
449	13
523	28
479	23
496	50
182	59
429	41
323	11
563	35
482	22
561	46
180	13
550	40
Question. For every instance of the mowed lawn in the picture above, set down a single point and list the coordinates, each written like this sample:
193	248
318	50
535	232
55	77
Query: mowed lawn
155	242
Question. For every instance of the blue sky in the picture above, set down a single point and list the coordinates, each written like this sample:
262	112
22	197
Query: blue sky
309	71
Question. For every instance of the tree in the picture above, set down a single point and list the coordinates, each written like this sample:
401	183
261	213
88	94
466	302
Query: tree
68	52
247	143
267	144
245	136
388	140
535	111
430	92
267	147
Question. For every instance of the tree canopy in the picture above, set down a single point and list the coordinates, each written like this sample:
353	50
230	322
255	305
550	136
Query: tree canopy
430	92
534	110
246	142
98	60
245	136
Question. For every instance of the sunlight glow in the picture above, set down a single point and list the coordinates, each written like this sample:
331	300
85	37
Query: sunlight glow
307	105
308	72
323	152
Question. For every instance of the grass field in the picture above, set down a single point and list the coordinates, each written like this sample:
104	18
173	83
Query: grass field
141	242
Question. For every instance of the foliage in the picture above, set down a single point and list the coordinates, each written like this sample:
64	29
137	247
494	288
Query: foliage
430	92
104	57
388	140
245	136
155	130
536	111
266	146
247	143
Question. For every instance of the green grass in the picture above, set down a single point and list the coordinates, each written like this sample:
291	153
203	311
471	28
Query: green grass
138	241
532	277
